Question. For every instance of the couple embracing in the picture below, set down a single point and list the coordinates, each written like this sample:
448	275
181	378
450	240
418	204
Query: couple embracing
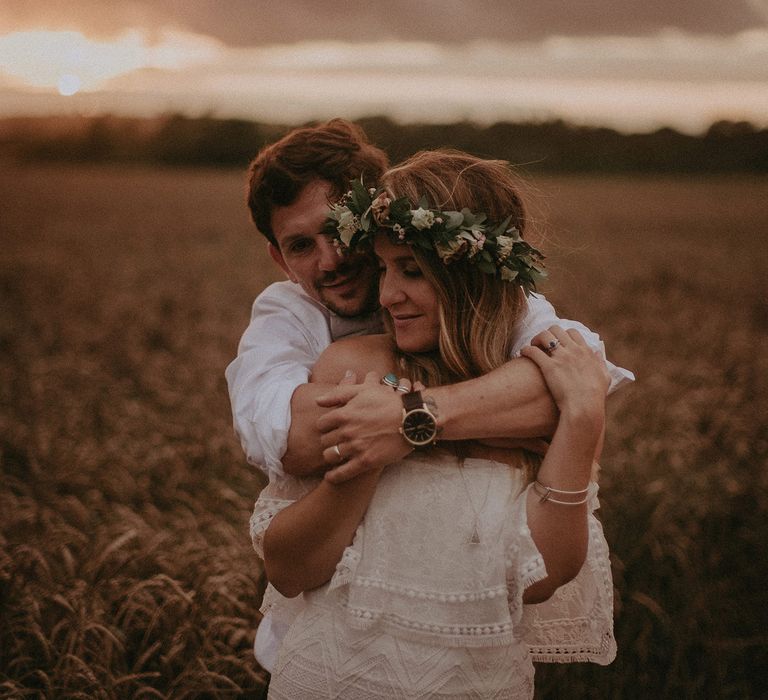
429	427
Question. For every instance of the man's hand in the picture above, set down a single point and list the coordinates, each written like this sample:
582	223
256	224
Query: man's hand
362	431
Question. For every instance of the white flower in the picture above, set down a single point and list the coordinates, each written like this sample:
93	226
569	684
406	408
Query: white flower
348	226
422	218
505	244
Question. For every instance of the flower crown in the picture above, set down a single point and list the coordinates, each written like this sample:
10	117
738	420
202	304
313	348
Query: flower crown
496	249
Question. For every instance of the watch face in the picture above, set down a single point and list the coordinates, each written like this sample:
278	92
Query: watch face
419	427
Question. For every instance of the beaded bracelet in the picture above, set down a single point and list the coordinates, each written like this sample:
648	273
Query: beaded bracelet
548	491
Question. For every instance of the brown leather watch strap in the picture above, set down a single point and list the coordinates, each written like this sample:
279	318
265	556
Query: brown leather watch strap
412	400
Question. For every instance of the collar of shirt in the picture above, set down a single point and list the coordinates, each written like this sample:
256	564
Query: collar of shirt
356	325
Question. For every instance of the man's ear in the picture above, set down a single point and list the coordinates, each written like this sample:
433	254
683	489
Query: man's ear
277	256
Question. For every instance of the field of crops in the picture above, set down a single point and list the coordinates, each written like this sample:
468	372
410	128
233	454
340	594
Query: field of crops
125	564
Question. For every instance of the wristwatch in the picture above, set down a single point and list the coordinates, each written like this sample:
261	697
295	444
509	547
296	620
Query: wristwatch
419	425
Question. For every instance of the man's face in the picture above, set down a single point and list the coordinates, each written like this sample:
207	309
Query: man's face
347	285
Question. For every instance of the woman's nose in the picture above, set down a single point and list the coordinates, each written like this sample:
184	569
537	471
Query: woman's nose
390	292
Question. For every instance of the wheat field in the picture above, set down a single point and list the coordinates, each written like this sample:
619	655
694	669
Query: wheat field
125	564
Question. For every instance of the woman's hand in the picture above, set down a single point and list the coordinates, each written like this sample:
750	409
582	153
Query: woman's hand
575	374
578	381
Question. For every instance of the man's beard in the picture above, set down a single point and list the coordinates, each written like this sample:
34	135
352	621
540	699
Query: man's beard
366	271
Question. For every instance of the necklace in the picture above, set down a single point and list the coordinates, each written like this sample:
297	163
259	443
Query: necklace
475	536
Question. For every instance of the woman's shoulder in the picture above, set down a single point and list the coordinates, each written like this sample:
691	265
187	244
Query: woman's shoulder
378	345
361	354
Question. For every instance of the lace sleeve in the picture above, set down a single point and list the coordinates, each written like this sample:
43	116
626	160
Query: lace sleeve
282	491
576	623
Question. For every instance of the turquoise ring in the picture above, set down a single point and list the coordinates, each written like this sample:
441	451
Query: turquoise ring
390	380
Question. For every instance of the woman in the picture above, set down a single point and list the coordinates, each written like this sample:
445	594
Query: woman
415	575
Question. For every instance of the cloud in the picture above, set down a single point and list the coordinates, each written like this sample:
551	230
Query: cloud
250	23
663	56
632	83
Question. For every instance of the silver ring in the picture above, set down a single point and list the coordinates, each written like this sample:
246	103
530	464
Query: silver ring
552	344
336	449
403	389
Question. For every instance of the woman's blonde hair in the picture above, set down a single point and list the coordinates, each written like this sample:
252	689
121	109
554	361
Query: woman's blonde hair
478	312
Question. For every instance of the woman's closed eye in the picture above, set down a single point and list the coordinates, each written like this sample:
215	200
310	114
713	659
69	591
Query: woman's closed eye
412	271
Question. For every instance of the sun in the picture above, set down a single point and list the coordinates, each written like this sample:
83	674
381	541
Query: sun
68	84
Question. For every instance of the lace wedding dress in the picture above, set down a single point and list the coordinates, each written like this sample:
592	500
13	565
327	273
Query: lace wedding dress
427	600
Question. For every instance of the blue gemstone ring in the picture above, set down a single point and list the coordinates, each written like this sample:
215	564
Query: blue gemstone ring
390	380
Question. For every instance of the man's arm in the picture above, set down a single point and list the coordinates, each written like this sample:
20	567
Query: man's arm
304	453
284	339
511	401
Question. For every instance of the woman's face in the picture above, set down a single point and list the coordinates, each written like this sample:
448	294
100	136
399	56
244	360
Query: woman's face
408	297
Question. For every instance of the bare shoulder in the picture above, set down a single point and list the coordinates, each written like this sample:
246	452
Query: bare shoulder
361	354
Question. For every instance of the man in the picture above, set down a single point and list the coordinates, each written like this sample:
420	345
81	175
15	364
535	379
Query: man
278	415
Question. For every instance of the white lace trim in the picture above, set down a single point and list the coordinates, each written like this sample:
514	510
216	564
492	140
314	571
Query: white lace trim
425	632
576	623
439	597
345	569
281	491
264	510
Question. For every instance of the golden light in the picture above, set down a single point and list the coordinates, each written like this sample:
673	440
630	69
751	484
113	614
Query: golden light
68	61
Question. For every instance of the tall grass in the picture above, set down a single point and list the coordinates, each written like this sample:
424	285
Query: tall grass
125	565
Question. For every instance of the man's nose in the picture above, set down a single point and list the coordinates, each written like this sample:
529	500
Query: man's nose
329	255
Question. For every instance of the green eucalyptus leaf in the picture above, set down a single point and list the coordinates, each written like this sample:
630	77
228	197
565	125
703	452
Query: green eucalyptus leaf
501	228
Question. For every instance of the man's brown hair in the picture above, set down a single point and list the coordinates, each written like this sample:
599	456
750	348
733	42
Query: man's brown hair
337	151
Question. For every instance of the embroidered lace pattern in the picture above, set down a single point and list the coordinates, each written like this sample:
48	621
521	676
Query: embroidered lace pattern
322	657
576	623
278	494
396	598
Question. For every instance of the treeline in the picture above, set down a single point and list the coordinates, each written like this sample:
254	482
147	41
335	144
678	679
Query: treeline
554	146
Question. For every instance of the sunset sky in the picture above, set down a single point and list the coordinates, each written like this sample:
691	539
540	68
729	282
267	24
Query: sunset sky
621	63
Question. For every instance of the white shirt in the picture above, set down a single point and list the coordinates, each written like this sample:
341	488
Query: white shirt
287	333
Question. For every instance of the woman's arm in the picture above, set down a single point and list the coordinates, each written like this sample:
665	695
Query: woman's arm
305	541
579	382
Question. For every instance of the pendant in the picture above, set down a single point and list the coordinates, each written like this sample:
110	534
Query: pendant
475	539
